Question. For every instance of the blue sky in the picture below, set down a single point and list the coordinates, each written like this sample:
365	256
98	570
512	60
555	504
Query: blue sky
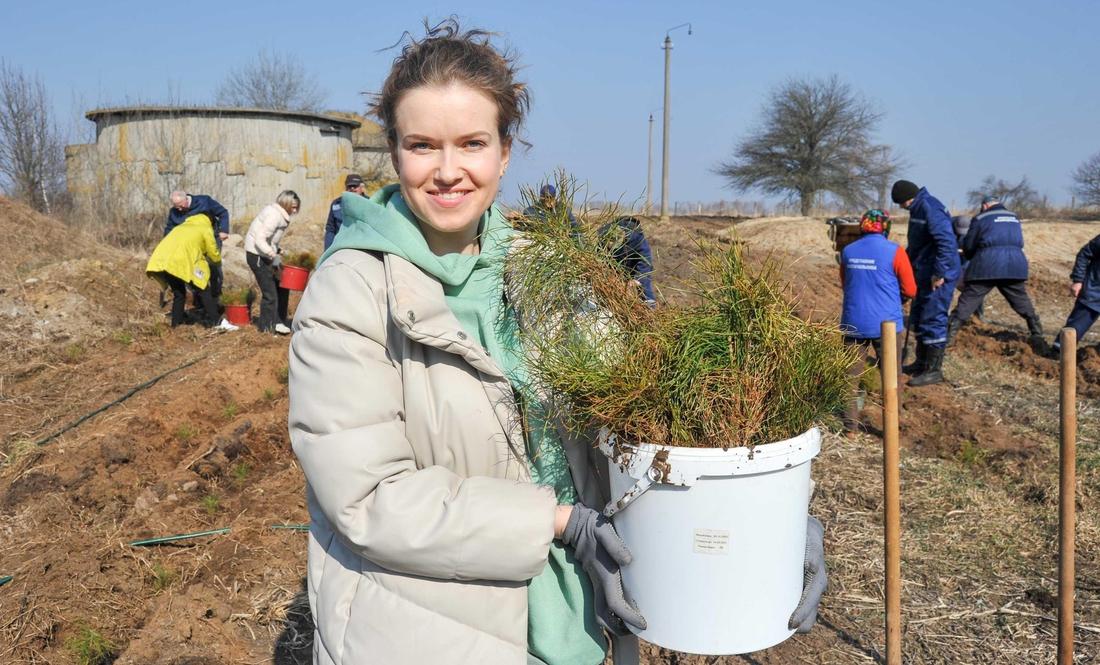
971	88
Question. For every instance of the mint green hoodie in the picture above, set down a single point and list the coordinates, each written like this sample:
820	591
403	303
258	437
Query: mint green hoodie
562	628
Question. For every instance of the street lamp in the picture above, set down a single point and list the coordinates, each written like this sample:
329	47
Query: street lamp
649	167
664	156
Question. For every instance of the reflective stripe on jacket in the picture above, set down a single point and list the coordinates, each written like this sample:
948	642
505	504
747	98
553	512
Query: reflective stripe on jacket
994	245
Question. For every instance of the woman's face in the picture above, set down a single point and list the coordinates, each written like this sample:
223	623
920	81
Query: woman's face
450	159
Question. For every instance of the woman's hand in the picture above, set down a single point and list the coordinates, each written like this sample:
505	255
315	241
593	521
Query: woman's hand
600	552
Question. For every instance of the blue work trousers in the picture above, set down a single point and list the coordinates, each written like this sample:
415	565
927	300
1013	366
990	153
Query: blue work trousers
1080	319
928	313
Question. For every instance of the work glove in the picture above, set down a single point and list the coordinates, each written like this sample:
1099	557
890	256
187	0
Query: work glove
277	262
814	579
600	551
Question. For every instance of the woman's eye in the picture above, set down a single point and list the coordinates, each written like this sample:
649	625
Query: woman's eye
419	147
475	144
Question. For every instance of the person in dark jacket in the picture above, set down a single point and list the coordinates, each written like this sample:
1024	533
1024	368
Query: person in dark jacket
877	277
548	200
185	205
353	184
632	252
994	249
934	254
961	224
1085	286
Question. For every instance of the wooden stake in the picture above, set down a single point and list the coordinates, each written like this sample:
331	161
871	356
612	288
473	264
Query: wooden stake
1067	496
891	462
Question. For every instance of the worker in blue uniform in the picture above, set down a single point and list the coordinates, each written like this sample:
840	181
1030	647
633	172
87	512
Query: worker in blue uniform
933	252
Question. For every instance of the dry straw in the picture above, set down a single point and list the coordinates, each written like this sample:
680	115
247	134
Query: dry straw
739	369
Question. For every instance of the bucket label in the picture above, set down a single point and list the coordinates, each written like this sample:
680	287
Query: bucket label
712	541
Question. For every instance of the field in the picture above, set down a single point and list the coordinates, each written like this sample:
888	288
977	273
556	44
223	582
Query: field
205	448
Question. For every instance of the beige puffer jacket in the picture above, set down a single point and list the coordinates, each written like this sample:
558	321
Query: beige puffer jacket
266	230
424	526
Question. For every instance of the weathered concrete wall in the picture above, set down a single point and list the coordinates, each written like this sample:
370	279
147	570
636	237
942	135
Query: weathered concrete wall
243	158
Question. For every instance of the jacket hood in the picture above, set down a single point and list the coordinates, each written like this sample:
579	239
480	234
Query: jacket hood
385	223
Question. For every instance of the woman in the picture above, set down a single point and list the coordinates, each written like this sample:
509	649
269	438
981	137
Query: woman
261	246
186	256
435	537
877	278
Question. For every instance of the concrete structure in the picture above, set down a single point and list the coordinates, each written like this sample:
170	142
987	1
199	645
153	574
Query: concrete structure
241	157
370	150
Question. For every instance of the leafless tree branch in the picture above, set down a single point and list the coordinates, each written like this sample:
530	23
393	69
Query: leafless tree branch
272	81
1086	181
1020	197
814	139
32	148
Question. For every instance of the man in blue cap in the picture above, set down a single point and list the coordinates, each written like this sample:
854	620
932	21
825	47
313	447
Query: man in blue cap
994	247
933	252
548	199
354	184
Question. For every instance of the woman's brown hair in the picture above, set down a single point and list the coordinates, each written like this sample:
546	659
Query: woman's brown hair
449	56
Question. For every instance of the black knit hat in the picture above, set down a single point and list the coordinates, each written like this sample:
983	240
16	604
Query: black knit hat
903	191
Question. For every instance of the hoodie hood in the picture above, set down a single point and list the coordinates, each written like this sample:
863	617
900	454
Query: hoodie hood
385	223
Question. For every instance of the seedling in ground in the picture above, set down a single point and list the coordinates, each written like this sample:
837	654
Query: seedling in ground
240	472
210	502
20	450
186	432
157	329
283	374
970	454
124	337
164	576
268	395
229	411
89	647
74	351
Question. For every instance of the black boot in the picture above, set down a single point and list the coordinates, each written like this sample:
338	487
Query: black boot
954	324
917	366
933	371
1035	326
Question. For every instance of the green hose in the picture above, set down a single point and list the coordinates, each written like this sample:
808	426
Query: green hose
291	527
120	400
157	541
5	580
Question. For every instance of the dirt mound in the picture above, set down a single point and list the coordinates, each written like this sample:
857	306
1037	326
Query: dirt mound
32	240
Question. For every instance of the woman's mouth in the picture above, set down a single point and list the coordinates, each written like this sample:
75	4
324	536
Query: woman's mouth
449	199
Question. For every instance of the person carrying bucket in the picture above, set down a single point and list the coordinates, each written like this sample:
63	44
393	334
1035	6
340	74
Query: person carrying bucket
439	532
261	246
877	279
187	256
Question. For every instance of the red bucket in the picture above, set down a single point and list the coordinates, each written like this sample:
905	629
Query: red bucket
238	315
294	278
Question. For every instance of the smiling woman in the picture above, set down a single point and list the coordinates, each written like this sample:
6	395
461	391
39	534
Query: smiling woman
450	160
441	530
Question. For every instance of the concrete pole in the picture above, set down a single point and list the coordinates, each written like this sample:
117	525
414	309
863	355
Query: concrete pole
649	171
664	153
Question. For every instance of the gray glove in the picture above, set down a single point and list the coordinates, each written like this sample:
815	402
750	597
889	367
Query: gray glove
600	551
277	262
814	580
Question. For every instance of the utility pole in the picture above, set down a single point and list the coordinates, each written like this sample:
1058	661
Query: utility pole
649	170
664	156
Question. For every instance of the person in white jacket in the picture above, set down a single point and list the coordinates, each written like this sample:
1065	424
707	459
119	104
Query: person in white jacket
261	246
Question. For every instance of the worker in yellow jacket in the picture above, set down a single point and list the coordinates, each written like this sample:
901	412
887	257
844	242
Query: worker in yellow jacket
186	256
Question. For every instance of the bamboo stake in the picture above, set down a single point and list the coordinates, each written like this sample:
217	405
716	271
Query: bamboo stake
891	462
1067	496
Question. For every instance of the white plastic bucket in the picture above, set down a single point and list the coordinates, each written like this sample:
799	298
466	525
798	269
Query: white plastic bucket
719	540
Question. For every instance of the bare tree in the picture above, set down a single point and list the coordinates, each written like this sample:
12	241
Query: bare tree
814	139
32	148
1020	197
1086	181
272	81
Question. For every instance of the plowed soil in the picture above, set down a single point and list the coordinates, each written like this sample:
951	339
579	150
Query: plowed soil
204	448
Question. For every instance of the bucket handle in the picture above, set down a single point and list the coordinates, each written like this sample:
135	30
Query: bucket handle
652	475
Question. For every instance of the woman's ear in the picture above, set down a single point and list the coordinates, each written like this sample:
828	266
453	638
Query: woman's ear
505	155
